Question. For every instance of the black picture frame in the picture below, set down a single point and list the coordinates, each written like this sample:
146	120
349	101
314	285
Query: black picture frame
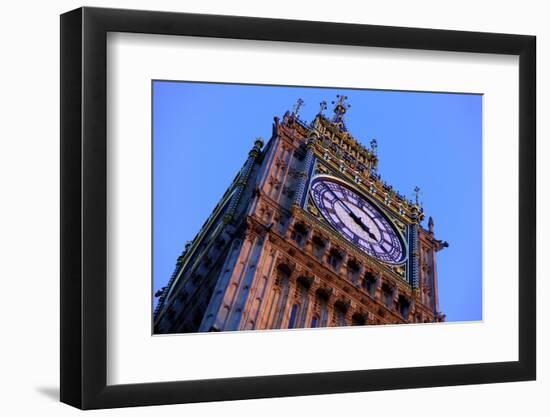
84	207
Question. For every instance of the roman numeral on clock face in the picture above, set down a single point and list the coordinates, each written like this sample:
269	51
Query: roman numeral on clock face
339	224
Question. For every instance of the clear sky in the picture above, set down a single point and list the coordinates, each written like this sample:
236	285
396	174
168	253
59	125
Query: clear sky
203	132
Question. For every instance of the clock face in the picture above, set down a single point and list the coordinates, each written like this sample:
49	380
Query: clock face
358	220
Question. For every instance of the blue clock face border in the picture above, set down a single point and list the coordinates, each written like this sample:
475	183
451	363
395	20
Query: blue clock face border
357	219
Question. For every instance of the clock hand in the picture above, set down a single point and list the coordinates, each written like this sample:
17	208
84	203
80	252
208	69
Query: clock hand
365	228
352	215
355	218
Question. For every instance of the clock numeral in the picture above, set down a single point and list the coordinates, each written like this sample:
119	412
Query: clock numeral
339	224
350	197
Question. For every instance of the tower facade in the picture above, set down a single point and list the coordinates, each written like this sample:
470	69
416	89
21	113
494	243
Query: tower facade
307	235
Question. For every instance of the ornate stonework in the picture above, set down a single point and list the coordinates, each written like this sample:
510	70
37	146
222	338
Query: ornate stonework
268	258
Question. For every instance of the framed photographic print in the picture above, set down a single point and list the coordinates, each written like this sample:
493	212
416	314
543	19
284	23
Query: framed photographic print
257	208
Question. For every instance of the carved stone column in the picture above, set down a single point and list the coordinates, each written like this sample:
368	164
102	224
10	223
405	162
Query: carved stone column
378	288
243	177
308	246
394	298
349	312
290	227
308	162
325	321
414	256
290	301
324	256
358	275
310	309
343	270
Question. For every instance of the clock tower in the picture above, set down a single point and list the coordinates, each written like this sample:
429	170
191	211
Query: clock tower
307	235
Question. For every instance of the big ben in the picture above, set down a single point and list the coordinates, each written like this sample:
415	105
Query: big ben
307	235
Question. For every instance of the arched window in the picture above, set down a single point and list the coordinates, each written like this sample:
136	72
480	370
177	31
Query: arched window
299	233
314	321
278	297
369	283
387	295
322	297
334	259
358	319
353	270
302	301
283	271
293	315
403	305
340	310
318	246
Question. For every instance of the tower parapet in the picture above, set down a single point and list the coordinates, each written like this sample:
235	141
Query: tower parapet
340	149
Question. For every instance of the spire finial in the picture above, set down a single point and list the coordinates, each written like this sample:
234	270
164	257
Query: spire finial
374	146
340	109
297	107
431	225
341	101
257	148
417	195
322	106
259	142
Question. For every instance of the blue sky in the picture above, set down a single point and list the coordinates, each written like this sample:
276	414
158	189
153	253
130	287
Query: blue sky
203	132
